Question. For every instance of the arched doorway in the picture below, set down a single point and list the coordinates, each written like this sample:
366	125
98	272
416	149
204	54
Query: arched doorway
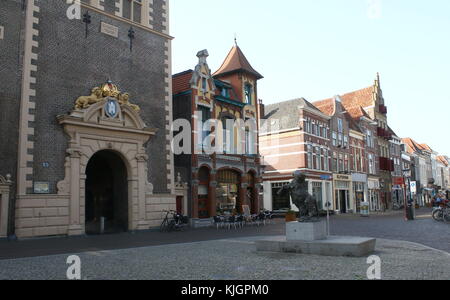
106	194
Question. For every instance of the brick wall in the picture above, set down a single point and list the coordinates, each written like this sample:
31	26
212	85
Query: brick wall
69	65
11	59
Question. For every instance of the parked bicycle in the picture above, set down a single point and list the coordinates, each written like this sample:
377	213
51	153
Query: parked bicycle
441	212
173	222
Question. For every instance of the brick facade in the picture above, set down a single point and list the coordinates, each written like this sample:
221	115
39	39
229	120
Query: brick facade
58	63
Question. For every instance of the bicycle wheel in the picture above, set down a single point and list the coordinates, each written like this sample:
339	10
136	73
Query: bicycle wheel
171	226
446	216
438	215
164	226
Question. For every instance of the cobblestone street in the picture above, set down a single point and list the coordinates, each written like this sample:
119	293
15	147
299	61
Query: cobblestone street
232	259
230	254
387	226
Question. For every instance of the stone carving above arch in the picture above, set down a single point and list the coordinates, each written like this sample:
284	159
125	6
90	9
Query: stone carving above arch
5	180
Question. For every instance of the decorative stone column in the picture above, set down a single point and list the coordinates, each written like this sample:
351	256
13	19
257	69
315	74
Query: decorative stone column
142	160
257	197
212	194
75	227
242	192
5	185
194	189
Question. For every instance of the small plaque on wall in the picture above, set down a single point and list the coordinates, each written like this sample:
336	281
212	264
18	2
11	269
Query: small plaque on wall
41	188
109	29
2	32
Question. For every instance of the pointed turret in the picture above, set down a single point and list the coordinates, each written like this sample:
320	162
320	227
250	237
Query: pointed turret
236	62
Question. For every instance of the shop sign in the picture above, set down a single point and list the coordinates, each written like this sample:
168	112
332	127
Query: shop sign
398	181
41	188
342	177
414	187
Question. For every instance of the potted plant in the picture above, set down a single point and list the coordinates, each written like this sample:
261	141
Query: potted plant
291	216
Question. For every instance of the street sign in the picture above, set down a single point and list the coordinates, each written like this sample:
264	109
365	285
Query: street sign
413	186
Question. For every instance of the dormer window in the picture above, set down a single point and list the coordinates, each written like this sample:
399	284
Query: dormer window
225	93
248	94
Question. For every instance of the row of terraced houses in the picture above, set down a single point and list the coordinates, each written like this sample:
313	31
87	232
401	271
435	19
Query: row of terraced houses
344	145
350	154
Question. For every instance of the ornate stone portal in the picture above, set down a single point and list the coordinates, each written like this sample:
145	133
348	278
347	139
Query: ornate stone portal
107	121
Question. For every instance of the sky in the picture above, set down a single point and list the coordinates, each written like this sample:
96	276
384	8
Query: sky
320	48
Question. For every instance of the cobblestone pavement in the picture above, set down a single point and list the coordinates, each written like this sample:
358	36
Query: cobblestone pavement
388	226
424	230
233	259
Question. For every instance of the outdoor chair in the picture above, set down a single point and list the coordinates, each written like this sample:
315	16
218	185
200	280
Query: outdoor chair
240	221
261	219
219	222
231	222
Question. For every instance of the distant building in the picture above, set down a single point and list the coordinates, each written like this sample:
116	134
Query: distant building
219	182
341	161
372	101
423	170
398	178
364	148
295	136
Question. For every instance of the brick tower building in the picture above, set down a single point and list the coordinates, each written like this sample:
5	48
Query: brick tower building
85	112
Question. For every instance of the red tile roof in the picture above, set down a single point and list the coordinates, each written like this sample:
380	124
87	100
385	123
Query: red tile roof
361	98
327	106
415	147
357	113
236	61
443	160
426	147
180	82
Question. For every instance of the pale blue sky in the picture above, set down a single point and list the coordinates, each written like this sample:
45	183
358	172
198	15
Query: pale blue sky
319	48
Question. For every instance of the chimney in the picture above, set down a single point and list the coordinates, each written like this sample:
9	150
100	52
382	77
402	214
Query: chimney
262	111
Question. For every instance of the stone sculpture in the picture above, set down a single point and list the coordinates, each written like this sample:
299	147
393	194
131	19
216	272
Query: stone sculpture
307	204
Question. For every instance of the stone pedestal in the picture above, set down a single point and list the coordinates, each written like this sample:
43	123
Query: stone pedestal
332	246
313	231
311	238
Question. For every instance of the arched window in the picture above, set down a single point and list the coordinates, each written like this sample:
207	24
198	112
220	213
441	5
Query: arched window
248	94
228	135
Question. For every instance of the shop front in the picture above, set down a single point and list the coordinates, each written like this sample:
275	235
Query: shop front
398	197
360	191
319	186
343	200
373	185
227	193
